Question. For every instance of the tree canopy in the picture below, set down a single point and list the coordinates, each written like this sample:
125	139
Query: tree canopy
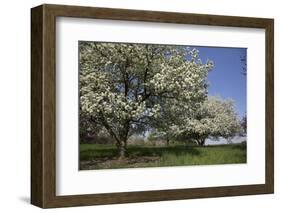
128	89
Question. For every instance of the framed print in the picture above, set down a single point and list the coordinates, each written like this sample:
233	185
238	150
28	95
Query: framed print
137	106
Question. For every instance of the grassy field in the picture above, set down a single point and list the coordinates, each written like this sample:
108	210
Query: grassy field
97	156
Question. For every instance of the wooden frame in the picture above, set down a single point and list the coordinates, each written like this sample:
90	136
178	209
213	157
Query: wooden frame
43	120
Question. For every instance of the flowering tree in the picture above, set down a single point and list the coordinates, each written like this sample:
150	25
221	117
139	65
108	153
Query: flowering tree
126	87
171	121
215	118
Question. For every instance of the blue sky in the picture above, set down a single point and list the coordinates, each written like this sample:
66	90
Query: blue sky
226	79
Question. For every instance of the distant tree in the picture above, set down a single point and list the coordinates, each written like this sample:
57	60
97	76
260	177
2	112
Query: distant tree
244	124
124	87
215	118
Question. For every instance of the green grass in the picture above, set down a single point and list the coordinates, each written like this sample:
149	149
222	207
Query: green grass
98	156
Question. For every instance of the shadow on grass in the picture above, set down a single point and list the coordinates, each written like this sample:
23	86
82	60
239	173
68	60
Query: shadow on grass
242	146
137	151
159	151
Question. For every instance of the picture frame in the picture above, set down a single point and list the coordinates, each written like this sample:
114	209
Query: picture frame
43	105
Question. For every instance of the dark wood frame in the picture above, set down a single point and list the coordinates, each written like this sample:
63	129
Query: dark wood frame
43	105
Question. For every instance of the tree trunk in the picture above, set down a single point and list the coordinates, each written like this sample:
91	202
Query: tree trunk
167	141
122	150
201	142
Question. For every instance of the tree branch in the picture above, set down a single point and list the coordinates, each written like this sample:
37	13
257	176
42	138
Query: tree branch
109	129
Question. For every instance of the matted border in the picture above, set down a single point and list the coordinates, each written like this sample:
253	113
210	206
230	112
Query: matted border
43	105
